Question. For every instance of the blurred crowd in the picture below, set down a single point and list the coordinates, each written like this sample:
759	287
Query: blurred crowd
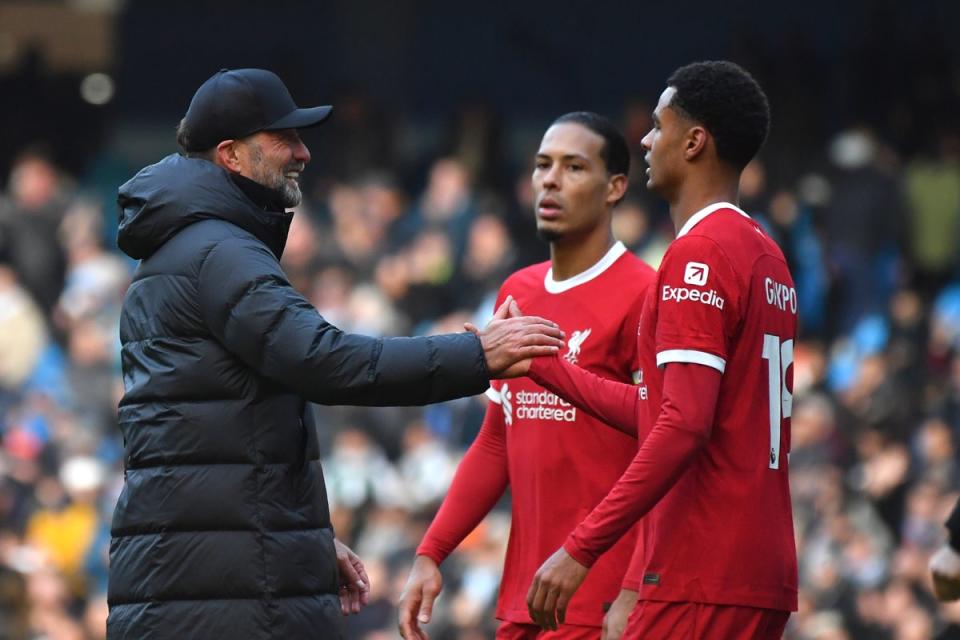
392	244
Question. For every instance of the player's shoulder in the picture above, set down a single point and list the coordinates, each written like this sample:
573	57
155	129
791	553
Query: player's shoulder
722	221
632	264
525	279
731	233
699	242
629	275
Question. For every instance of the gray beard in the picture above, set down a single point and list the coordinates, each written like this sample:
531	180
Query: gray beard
288	190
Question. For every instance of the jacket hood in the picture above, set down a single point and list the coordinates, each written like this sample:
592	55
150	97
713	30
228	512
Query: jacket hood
172	194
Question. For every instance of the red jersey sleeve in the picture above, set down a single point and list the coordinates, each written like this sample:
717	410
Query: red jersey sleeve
480	480
614	403
610	401
634	575
683	426
698	305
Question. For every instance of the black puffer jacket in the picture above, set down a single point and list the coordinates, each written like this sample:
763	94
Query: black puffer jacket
222	530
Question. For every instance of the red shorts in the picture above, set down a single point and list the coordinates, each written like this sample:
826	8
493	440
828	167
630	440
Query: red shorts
518	631
653	620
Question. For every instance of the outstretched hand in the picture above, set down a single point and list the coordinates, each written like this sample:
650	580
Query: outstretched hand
511	339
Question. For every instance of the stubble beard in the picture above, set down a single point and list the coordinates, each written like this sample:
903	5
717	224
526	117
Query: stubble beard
549	235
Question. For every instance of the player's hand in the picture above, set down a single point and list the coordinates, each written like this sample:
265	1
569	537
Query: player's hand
509	341
945	570
416	602
354	583
615	621
553	585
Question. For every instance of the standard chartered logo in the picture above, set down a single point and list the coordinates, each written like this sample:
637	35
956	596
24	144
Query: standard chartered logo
535	405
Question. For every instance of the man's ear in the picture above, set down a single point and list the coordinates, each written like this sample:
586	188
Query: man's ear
616	188
227	155
697	139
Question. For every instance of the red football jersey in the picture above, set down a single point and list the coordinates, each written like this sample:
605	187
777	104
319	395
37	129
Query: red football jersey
560	461
723	534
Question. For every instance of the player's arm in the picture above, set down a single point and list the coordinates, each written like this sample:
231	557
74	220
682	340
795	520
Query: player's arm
681	430
480	480
250	307
610	401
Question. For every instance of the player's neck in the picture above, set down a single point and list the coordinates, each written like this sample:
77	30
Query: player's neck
572	256
699	196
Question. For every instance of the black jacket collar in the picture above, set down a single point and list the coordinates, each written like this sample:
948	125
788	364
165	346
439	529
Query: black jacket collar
264	197
178	191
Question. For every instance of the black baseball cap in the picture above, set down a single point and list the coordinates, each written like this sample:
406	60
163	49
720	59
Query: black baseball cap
235	103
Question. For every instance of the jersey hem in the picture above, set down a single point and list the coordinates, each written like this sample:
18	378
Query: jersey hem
787	601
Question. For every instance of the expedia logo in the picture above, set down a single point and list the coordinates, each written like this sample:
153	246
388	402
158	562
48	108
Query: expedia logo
696	273
710	298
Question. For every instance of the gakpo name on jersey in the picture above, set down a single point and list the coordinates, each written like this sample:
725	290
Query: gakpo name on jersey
780	295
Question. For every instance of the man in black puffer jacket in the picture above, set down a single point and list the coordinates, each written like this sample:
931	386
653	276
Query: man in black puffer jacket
222	530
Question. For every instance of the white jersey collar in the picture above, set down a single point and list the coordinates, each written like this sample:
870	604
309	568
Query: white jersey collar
559	286
698	217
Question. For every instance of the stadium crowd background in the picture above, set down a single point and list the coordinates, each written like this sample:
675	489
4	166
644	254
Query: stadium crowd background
414	215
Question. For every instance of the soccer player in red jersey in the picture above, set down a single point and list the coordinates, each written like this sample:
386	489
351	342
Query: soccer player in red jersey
710	480
558	461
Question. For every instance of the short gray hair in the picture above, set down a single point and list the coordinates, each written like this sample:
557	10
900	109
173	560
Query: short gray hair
184	141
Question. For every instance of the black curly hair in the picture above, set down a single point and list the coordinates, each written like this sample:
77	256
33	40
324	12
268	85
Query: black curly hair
615	153
725	99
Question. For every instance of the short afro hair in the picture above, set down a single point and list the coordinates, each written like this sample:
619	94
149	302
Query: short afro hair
615	154
725	99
